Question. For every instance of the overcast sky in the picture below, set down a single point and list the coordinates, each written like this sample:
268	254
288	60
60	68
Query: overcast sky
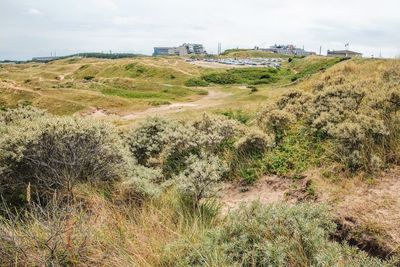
37	27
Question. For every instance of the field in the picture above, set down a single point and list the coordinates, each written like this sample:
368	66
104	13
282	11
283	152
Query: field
158	162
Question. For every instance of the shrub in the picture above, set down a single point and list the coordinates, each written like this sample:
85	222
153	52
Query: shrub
201	176
196	82
295	102
238	115
88	78
277	121
148	140
169	143
298	151
52	154
333	106
141	184
251	76
212	131
362	124
21	113
273	235
254	143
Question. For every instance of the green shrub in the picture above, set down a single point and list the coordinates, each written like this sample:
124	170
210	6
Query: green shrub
168	144
238	115
196	82
298	151
252	76
54	154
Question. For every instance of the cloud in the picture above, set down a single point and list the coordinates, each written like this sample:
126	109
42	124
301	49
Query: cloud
34	12
105	4
138	25
127	21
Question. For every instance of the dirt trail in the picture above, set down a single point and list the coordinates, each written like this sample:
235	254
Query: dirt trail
212	99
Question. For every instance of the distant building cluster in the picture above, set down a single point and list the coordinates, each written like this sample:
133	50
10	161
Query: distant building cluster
44	59
343	53
287	50
183	50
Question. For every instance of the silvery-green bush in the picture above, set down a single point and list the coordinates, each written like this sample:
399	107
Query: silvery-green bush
56	153
148	140
167	143
201	176
254	142
272	235
19	114
362	124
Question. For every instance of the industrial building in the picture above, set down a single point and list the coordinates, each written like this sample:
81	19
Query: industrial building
288	50
343	53
183	50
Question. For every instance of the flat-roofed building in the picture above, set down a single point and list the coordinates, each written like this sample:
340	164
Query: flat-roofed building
288	50
183	50
343	53
44	59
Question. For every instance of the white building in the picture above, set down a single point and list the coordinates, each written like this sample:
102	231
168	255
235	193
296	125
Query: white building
288	50
183	50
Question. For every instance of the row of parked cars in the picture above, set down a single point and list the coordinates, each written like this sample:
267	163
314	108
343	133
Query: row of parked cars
268	62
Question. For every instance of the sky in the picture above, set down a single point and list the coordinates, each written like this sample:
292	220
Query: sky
30	28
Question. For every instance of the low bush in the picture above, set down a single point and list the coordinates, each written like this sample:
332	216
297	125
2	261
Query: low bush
274	235
148	140
53	154
297	152
254	143
238	115
362	125
252	76
200	177
21	114
276	122
196	82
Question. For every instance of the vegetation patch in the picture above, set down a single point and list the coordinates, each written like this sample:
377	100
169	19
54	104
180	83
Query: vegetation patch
196	82
252	76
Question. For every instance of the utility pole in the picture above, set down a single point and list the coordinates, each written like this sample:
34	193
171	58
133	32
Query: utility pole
320	50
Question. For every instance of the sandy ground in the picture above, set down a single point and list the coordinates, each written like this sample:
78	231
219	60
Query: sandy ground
373	207
270	189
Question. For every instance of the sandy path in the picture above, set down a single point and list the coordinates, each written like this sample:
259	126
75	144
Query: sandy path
212	99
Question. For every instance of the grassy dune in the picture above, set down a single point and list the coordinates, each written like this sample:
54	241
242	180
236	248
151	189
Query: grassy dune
114	85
